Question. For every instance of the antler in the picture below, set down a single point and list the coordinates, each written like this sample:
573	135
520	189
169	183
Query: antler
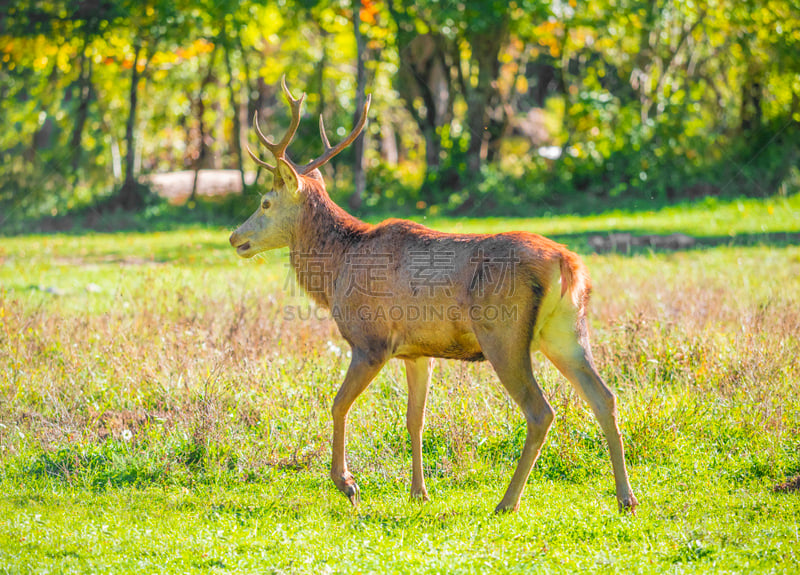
279	150
330	152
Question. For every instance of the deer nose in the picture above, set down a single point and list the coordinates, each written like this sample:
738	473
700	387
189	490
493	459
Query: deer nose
234	239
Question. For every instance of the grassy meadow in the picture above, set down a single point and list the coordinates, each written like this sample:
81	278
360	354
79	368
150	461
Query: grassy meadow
164	408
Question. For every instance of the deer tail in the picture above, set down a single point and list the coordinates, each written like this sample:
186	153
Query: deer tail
574	279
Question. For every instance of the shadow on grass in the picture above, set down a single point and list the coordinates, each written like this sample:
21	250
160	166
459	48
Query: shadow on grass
633	242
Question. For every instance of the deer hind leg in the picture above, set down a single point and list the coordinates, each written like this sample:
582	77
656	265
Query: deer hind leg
361	372
418	373
509	354
569	350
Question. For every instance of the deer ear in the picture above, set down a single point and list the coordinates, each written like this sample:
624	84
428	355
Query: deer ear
291	181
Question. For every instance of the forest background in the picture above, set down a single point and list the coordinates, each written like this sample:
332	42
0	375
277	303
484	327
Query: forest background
478	107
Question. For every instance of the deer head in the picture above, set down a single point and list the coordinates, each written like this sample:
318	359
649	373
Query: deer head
272	225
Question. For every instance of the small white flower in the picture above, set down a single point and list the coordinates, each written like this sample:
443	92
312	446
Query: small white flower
127	435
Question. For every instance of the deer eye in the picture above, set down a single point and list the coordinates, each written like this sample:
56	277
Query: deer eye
265	204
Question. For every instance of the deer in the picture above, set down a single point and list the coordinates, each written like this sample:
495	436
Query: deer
399	290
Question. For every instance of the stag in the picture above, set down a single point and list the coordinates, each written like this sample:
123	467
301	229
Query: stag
400	290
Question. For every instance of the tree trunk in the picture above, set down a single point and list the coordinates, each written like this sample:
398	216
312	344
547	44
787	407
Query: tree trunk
236	138
486	49
43	138
319	71
359	176
643	65
433	147
246	101
200	107
423	74
750	110
85	93
130	196
389	149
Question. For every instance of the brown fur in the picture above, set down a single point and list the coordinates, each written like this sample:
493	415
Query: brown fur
326	235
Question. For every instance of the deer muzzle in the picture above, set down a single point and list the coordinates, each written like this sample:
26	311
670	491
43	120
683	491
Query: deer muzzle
241	244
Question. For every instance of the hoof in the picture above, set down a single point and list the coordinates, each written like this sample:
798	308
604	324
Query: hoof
347	484
353	494
420	495
503	508
628	503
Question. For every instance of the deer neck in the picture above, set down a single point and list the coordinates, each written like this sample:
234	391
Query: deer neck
322	239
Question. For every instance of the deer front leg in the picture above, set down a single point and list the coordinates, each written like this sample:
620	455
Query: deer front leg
361	372
418	374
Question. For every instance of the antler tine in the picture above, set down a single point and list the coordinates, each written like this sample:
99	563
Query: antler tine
330	152
295	104
279	150
259	161
292	100
264	140
322	133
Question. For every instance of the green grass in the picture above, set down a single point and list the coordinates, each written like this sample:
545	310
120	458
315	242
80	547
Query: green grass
160	413
285	525
710	217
